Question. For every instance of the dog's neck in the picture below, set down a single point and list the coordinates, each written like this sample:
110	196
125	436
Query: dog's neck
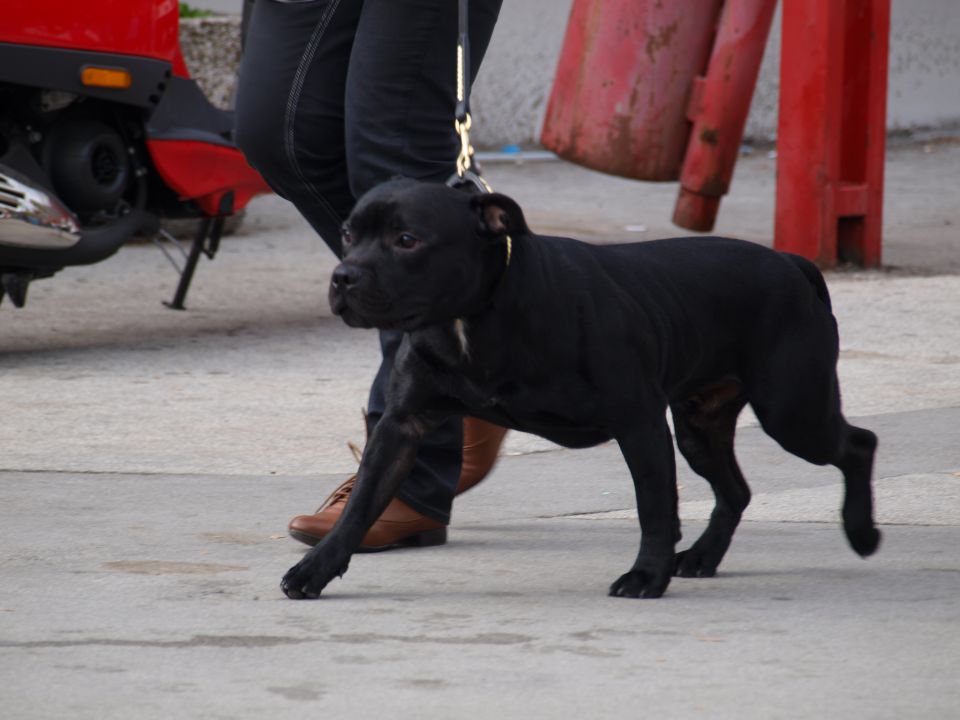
497	270
495	267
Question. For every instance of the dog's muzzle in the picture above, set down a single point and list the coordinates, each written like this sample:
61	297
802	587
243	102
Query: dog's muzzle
345	278
354	299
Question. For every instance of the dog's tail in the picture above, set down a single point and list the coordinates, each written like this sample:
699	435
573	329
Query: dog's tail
814	277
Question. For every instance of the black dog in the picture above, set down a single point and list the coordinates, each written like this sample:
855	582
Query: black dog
581	344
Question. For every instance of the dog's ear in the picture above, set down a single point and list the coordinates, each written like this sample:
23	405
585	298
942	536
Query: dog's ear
499	215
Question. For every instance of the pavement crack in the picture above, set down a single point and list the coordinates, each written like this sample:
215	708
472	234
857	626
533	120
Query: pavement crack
479	639
217	641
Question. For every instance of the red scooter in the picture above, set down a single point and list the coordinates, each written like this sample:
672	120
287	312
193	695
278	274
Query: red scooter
102	132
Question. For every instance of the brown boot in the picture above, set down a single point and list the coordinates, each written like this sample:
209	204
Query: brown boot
481	446
399	525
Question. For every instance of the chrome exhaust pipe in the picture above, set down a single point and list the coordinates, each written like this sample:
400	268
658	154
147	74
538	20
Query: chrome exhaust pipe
31	216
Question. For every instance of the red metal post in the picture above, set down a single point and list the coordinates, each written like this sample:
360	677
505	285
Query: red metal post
718	108
832	125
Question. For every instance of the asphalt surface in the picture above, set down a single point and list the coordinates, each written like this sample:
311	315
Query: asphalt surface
152	458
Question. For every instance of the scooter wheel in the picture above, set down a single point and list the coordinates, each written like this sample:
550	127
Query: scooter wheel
90	167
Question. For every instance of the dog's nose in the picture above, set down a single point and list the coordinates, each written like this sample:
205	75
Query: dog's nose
345	277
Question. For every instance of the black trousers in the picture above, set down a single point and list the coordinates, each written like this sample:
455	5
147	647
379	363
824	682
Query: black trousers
336	96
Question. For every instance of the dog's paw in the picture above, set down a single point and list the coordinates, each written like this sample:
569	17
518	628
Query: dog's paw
640	583
696	563
864	541
308	578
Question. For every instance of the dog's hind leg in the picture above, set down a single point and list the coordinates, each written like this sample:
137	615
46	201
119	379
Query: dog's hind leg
705	425
801	411
856	464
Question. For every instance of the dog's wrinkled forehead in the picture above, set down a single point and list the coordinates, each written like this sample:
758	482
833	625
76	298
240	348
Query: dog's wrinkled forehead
375	217
405	204
381	207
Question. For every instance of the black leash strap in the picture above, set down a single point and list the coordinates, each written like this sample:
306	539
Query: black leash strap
463	61
466	175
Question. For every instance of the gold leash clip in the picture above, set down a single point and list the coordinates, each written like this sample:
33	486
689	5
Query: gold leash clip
465	156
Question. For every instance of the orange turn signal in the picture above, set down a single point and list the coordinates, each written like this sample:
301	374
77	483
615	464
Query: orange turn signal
119	78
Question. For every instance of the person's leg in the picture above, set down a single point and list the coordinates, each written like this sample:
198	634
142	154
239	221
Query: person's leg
400	101
290	113
401	88
290	105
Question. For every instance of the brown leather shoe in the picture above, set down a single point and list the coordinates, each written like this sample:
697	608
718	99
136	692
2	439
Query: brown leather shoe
399	525
481	447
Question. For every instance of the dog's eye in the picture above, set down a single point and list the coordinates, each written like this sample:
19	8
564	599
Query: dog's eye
407	242
345	237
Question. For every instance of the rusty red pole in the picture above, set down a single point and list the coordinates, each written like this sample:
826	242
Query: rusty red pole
832	125
622	86
718	108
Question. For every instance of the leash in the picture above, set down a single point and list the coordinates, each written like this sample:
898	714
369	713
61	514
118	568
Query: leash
466	173
467	177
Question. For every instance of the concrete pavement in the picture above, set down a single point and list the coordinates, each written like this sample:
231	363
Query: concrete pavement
152	458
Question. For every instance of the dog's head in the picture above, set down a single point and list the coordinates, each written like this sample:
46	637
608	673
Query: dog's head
416	254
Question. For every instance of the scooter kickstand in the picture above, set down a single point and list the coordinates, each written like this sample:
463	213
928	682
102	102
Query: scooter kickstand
206	242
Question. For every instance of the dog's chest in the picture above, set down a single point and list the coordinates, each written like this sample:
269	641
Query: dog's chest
556	411
528	400
497	368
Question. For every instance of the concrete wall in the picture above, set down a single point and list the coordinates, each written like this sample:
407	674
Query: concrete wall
510	95
924	63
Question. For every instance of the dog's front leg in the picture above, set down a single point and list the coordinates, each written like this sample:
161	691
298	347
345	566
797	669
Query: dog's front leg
648	450
387	460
